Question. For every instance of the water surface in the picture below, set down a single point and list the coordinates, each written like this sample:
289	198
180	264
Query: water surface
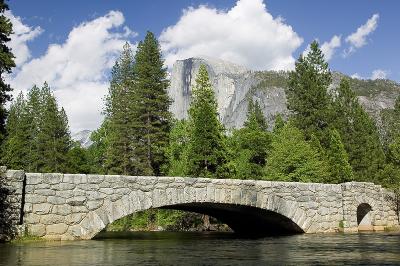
185	248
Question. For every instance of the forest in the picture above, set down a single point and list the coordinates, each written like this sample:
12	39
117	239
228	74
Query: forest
328	137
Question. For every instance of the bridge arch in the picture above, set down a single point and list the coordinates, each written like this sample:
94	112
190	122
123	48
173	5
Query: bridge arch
269	215
78	206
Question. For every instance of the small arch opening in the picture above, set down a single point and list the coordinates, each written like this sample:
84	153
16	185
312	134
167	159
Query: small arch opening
364	218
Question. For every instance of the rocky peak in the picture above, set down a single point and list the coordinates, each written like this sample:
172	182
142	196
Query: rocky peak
234	85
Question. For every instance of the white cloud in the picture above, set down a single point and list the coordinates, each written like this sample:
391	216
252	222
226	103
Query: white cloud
359	38
78	69
376	74
328	48
22	34
246	34
356	76
379	74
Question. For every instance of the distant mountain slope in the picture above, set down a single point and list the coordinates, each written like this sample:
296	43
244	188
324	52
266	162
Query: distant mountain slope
83	137
234	85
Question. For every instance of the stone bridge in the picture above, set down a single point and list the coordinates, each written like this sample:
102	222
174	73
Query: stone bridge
78	206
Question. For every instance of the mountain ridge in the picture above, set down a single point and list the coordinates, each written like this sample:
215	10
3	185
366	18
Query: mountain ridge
234	85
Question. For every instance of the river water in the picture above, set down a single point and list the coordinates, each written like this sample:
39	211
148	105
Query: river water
185	248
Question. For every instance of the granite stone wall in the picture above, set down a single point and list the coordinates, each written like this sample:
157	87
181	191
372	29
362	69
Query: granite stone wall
67	207
13	182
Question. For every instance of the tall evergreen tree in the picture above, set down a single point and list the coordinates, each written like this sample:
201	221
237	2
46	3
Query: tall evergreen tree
6	64
249	145
53	138
38	138
121	118
255	116
16	148
152	103
206	152
307	95
359	134
35	110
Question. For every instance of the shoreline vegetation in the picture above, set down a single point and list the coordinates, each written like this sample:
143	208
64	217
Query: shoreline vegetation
167	220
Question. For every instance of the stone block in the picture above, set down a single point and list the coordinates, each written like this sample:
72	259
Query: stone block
64	186
94	204
52	178
95	179
45	192
62	209
76	201
55	200
74	218
34	178
37	230
56	229
42	208
51	219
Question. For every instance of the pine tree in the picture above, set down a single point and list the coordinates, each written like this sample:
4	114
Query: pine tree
53	138
6	64
307	95
152	104
294	159
359	134
35	110
121	132
279	123
339	167
16	145
255	116
206	152
249	145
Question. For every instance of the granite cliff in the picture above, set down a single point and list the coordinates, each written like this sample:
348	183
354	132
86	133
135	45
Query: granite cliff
234	85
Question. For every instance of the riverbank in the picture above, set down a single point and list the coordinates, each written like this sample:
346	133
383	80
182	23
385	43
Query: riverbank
167	220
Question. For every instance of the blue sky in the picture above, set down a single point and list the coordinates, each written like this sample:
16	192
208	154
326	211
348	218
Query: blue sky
257	36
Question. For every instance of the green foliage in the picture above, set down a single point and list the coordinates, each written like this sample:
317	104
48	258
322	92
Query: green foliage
338	162
307	94
15	150
278	124
391	123
137	116
248	146
152	104
370	88
39	138
359	134
390	175
121	118
271	79
78	160
177	151
6	64
206	151
96	153
155	219
294	159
